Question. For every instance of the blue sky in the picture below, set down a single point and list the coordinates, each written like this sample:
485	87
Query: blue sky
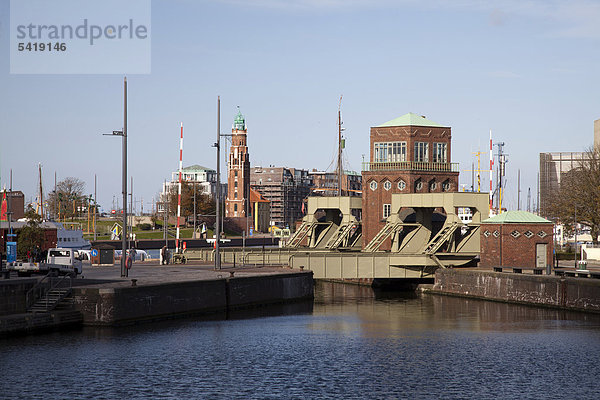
528	70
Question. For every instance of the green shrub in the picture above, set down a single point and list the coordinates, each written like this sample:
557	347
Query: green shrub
145	227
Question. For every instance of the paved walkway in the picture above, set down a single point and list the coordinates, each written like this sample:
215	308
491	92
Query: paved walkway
153	273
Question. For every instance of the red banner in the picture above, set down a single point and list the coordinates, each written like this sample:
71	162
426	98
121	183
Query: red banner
3	211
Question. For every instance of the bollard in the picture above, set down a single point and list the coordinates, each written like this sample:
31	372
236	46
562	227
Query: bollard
302	268
134	282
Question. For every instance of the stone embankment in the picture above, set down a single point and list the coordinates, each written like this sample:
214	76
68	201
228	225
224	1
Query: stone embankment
152	292
541	290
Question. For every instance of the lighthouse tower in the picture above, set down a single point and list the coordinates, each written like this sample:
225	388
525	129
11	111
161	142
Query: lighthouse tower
238	179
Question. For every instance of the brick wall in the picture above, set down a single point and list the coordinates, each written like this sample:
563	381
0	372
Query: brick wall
373	200
501	246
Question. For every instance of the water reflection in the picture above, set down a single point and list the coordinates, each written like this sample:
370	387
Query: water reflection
352	343
412	311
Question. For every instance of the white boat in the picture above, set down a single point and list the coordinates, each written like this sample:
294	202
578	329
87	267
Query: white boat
70	238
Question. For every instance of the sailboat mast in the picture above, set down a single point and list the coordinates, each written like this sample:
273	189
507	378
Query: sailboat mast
41	194
339	161
179	188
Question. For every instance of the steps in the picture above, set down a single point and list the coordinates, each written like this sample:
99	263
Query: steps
53	299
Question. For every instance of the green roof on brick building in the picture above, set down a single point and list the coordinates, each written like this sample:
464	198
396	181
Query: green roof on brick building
516	217
196	168
411	119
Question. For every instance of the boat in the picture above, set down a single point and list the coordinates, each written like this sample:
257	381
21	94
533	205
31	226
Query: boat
70	237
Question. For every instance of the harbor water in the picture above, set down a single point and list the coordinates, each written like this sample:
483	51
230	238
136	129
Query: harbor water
350	343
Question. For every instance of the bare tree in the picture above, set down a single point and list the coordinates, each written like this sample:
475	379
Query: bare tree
67	198
579	194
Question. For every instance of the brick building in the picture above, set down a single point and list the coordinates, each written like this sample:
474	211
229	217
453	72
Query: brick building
516	239
260	211
238	171
409	154
15	204
285	188
326	183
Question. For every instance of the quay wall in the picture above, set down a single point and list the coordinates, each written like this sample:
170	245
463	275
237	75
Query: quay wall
541	290
13	295
125	305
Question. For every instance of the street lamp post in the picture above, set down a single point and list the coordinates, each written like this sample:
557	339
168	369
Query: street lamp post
123	134
575	237
219	215
218	187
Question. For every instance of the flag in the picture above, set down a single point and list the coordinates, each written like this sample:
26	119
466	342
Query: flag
3	209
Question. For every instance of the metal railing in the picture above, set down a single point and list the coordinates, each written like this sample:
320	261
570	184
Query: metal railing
410	166
48	283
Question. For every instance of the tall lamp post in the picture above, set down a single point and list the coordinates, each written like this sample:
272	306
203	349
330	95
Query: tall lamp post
219	216
218	187
123	134
575	237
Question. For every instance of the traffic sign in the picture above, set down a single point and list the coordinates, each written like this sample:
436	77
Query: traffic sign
94	252
116	229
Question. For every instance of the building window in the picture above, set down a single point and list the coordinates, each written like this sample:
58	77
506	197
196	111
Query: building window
387	210
235	184
421	151
401	185
439	153
446	186
515	234
235	195
432	186
235	207
418	185
390	151
387	185
235	172
373	185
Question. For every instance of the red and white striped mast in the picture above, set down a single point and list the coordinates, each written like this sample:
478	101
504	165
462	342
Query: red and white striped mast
491	169
179	189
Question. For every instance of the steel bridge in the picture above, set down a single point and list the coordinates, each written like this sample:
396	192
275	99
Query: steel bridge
327	241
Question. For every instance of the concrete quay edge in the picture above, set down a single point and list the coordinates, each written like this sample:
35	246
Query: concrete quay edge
117	306
569	293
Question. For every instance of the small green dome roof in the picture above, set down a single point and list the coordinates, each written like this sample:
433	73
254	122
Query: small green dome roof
239	123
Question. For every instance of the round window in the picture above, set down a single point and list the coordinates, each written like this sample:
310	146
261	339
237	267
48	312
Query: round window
446	186
373	185
401	185
432	186
419	185
387	185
